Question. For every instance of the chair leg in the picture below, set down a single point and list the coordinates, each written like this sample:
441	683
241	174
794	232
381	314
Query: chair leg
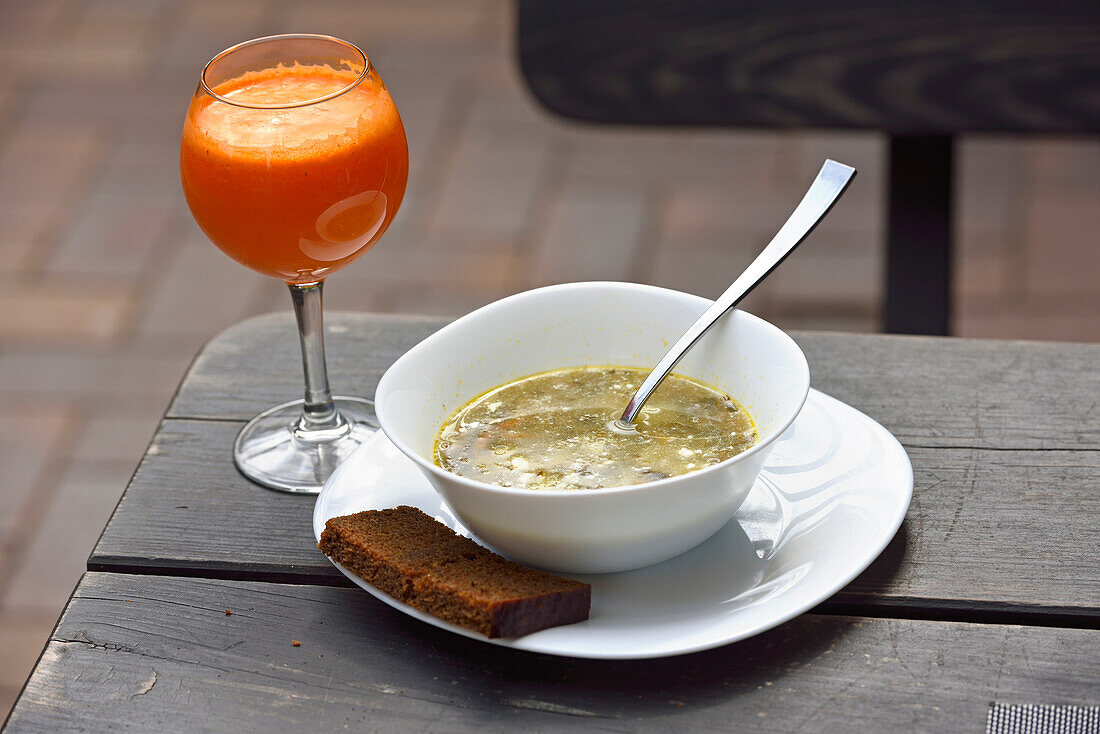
918	254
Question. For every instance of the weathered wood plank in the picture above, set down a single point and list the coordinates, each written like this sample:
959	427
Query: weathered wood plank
256	364
189	511
1011	532
159	653
961	393
996	530
927	391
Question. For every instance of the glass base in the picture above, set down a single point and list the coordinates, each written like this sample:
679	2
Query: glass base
269	450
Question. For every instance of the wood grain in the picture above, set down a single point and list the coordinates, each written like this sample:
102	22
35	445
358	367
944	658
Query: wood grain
1003	531
959	393
188	511
964	393
256	364
926	68
159	653
1008	533
1003	437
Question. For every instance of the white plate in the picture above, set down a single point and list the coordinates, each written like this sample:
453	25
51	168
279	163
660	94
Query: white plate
832	495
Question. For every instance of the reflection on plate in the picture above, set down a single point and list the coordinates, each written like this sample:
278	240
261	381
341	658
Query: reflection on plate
832	495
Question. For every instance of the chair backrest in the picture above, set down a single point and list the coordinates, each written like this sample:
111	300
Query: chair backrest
922	67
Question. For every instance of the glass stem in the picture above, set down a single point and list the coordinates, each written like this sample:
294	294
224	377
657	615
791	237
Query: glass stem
319	412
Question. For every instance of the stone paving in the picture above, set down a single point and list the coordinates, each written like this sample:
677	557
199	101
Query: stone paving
111	289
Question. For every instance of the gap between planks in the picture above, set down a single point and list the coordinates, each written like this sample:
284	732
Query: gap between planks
902	608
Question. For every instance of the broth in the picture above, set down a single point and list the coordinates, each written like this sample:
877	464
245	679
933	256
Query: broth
555	430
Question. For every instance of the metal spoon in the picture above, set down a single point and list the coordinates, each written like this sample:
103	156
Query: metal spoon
830	183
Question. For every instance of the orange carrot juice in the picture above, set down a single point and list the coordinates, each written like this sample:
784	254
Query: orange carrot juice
294	192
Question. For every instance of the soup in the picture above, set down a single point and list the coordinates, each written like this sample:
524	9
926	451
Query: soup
556	430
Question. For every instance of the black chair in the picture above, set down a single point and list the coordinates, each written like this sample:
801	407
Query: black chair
923	72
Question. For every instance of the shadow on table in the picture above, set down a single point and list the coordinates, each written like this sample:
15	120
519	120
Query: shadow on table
290	653
479	673
475	673
868	588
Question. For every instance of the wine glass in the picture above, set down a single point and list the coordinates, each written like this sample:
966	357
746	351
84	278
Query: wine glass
294	162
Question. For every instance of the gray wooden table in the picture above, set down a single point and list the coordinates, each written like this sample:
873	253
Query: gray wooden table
989	593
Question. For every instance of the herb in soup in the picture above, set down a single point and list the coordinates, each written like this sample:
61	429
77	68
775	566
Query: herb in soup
556	430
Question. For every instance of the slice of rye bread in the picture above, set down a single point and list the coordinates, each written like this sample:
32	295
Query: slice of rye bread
425	564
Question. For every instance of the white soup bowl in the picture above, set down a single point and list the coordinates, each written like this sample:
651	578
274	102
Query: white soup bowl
576	324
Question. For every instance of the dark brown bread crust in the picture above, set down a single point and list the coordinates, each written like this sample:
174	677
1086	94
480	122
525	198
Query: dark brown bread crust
425	564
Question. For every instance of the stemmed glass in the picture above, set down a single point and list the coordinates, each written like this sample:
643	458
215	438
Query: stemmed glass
294	162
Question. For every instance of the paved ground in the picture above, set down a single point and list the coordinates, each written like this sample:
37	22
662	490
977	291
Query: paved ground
111	288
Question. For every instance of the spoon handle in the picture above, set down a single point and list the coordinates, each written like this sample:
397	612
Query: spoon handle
830	183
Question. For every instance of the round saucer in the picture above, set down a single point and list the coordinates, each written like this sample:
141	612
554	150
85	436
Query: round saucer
832	495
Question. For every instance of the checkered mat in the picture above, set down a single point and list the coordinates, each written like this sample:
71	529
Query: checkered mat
1026	718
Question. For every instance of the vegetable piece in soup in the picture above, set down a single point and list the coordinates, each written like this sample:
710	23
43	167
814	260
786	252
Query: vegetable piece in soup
556	430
